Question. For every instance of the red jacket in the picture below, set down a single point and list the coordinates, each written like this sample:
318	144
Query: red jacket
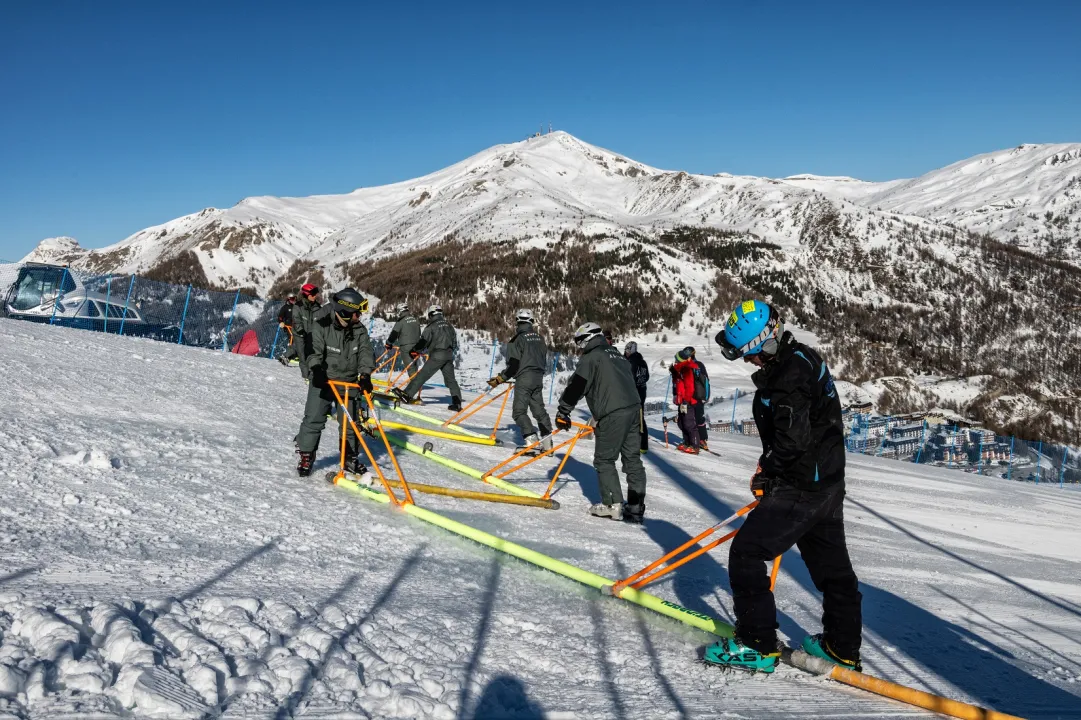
683	382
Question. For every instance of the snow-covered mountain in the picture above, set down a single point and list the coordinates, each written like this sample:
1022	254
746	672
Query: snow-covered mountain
887	274
1029	196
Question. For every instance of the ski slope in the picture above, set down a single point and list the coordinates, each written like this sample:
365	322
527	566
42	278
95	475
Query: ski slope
161	558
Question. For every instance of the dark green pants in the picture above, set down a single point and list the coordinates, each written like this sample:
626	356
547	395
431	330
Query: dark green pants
404	360
442	360
618	435
529	398
316	409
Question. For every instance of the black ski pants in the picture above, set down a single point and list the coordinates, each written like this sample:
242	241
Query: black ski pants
700	420
813	522
688	426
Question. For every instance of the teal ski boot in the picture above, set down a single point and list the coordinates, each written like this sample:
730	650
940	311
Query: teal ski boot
729	652
816	646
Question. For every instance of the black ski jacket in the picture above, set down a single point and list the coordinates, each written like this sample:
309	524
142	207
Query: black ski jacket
640	369
798	414
285	315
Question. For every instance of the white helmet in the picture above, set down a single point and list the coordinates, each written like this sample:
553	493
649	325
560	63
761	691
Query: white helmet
524	316
434	310
585	333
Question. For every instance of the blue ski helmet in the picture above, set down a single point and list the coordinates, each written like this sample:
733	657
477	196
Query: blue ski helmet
753	327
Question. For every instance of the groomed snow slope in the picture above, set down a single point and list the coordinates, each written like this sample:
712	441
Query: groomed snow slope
161	557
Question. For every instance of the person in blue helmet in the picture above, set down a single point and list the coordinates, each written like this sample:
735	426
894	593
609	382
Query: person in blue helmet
800	487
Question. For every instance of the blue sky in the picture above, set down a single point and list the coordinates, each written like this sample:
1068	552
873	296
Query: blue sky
115	116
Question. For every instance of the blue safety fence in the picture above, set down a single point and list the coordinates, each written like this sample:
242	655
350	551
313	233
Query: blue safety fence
137	307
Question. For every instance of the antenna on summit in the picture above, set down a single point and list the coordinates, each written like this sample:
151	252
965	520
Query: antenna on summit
549	127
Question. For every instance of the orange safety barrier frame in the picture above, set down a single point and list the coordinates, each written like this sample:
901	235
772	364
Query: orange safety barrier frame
650	572
559	470
405	371
344	405
469	410
583	430
389	361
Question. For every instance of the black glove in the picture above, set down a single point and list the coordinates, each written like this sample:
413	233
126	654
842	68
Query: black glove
563	422
319	376
495	382
365	382
761	485
388	347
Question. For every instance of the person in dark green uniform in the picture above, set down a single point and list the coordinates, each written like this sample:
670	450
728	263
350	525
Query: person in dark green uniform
342	351
440	341
527	359
405	335
604	376
304	313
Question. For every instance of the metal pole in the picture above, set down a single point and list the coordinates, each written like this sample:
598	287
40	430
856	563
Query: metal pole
953	438
1062	469
59	289
735	395
225	339
491	365
923	440
131	286
1009	469
979	460
180	338
108	295
552	388
275	345
1039	452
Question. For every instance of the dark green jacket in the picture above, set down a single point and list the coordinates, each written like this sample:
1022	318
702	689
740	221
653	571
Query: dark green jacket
406	332
438	337
304	313
344	352
526	352
604	376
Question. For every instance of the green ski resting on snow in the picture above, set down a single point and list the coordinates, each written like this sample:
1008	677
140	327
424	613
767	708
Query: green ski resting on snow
638	597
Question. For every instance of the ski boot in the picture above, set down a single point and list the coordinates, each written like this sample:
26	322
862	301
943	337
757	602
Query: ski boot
526	442
730	652
816	646
455	404
689	449
305	462
400	394
703	446
546	439
613	511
